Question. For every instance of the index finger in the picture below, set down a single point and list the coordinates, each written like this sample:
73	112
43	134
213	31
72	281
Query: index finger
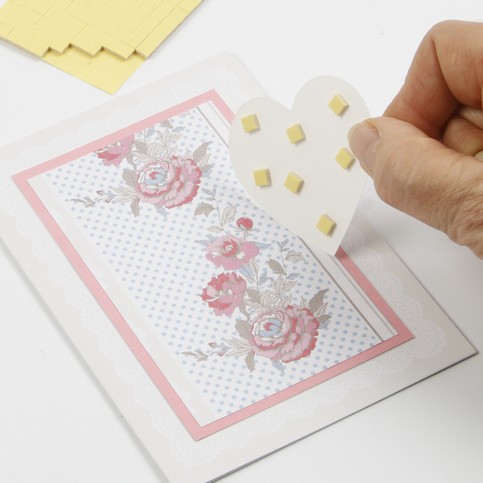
447	72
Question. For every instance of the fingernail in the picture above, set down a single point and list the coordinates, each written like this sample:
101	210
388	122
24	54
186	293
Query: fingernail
363	141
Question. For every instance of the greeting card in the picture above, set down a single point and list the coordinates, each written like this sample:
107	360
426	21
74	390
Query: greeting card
219	334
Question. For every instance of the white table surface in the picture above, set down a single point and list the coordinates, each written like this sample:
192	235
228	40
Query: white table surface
57	424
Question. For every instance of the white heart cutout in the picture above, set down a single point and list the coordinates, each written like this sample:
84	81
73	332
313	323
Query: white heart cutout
328	188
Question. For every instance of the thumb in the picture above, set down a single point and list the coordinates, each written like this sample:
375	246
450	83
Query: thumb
420	176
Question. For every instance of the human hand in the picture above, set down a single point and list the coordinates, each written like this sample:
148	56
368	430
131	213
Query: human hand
426	153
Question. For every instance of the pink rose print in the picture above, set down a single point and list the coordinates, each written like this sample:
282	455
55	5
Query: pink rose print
169	183
244	223
231	252
284	334
224	293
115	153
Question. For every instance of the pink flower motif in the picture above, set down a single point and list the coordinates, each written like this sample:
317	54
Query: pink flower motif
115	153
244	223
224	293
168	183
231	252
284	334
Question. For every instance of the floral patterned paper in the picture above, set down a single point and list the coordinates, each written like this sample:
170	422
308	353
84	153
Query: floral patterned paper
238	304
271	324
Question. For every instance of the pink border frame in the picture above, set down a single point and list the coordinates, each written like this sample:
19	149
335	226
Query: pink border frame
197	432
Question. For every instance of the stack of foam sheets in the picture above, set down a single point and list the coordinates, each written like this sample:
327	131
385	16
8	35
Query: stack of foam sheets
99	41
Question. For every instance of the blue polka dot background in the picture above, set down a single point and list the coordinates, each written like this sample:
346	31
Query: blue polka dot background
166	257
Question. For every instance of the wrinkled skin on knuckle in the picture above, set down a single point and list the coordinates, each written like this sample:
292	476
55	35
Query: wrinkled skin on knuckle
466	224
389	175
402	184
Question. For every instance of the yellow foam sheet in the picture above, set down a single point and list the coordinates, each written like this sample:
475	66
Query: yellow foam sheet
102	42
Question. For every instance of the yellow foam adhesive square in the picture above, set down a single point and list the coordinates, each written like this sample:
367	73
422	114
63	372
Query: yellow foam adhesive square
38	48
118	48
54	10
293	182
127	37
146	27
109	27
44	6
326	224
338	105
75	7
141	14
60	45
175	18
161	32
46	24
38	6
165	9
262	177
89	11
152	42
26	15
345	158
295	133
102	18
89	41
250	123
21	35
60	21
